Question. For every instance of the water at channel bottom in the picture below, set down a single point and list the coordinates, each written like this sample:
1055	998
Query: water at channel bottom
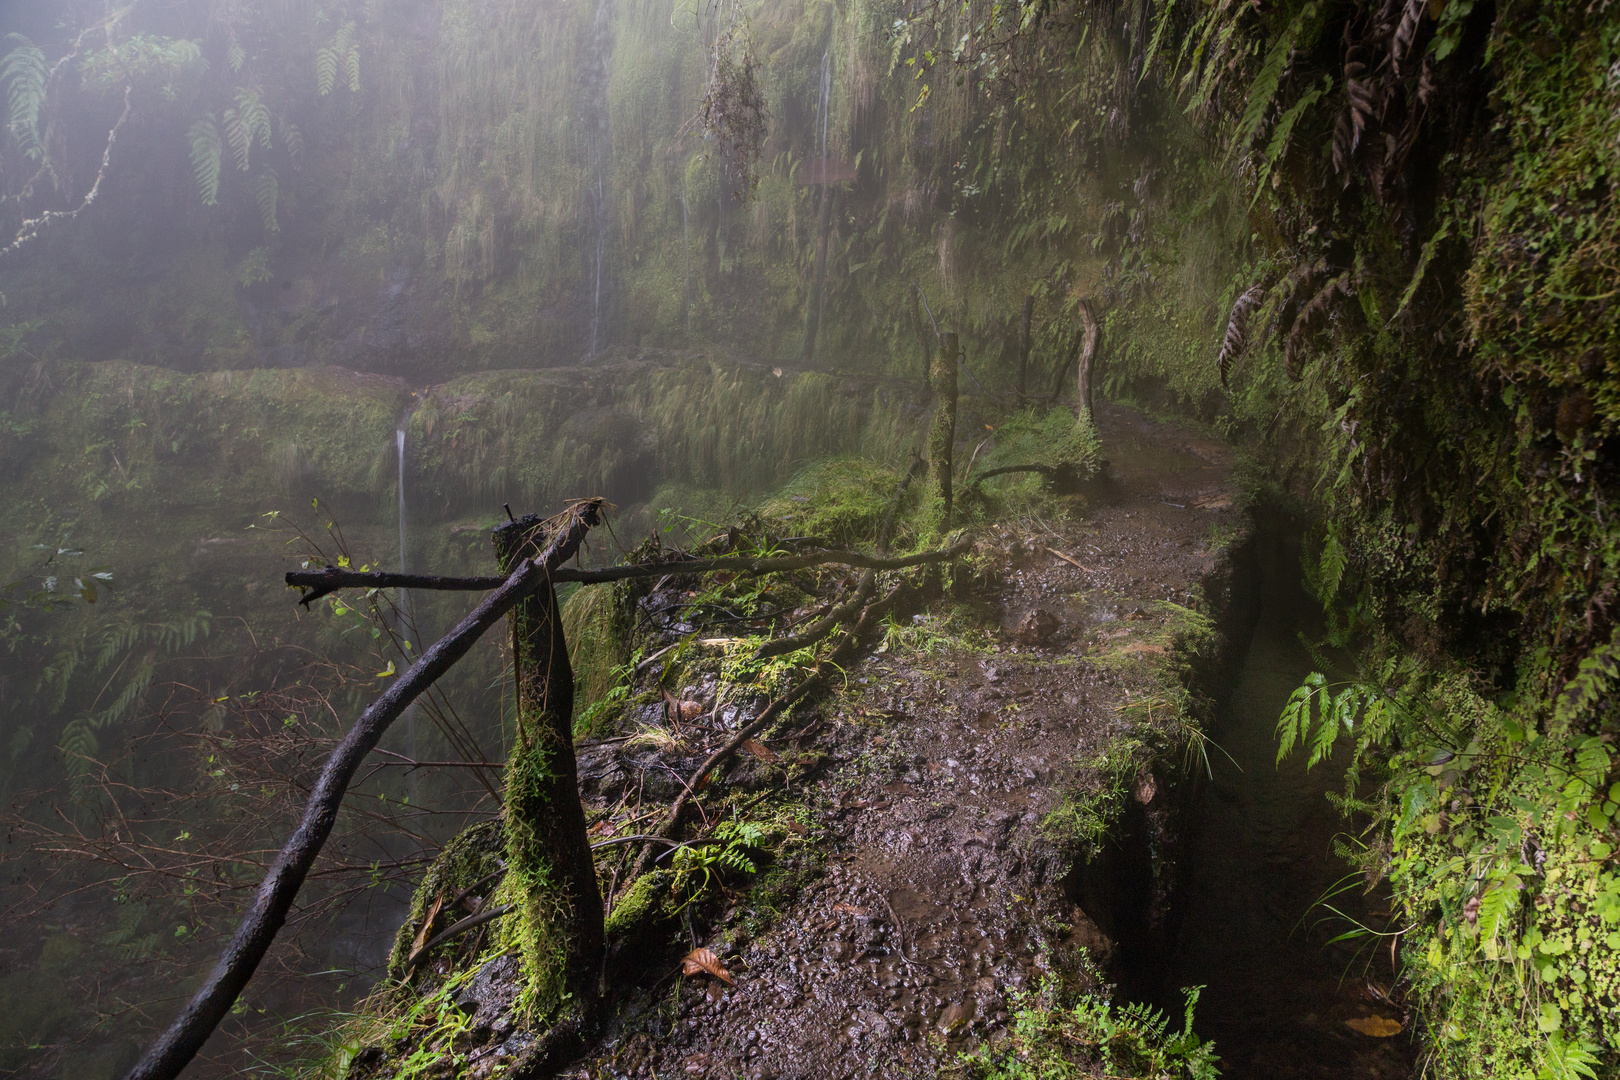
1277	997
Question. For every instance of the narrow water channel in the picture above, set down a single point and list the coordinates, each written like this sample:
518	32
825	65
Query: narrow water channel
1277	997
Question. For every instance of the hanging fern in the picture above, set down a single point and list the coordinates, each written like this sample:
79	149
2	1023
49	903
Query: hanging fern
255	116
291	138
207	155
235	57
1310	319
240	138
1237	329
1264	88
265	191
23	71
342	54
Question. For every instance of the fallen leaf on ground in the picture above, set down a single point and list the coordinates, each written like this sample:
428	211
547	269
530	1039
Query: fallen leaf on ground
850	908
761	751
797	829
1379	1027
701	960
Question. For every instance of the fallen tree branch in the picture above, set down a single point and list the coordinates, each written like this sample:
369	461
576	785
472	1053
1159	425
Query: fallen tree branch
333	578
175	1048
1051	472
455	930
822	626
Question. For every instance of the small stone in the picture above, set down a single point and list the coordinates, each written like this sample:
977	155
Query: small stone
1037	627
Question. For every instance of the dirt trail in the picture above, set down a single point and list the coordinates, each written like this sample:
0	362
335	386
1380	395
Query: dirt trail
939	895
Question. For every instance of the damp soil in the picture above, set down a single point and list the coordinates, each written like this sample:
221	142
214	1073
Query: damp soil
940	896
1282	1000
930	890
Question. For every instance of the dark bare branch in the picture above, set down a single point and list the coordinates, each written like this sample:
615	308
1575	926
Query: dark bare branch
333	578
175	1048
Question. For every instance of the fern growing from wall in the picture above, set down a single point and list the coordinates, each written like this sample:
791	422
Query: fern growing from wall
23	71
342	55
207	155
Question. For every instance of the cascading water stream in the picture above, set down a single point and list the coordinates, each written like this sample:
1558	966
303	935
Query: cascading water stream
598	144
816	299
826	99
403	597
686	257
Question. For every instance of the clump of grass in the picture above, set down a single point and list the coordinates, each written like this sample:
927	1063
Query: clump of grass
840	502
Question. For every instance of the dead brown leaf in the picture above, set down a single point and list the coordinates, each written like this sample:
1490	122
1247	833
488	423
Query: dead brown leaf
701	960
425	931
1379	1027
761	751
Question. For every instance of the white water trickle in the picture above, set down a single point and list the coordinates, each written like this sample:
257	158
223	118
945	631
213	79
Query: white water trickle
404	602
598	145
826	99
686	256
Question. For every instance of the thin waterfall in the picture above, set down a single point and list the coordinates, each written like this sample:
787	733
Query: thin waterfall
826	99
404	600
598	144
686	254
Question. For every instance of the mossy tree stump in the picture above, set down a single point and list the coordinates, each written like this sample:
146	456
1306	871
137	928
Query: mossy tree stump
552	874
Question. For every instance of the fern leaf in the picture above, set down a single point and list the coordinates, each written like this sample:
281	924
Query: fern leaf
1296	717
266	191
326	69
24	72
255	116
1237	329
1592	760
207	155
291	138
1314	313
1563	1059
235	57
239	137
1600	668
1264	88
351	63
1406	33
1278	146
1493	911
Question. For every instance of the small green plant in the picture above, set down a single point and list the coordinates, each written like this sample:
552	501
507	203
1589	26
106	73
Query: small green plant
701	864
1051	1042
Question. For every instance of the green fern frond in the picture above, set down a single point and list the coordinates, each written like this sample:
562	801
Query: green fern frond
266	190
240	138
207	155
1591	681
24	72
342	53
235	57
291	138
1563	1059
255	115
1264	88
1285	129
326	69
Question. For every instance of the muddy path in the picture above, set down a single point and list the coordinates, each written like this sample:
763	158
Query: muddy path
935	893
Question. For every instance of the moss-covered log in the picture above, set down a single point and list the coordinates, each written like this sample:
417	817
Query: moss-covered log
559	929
